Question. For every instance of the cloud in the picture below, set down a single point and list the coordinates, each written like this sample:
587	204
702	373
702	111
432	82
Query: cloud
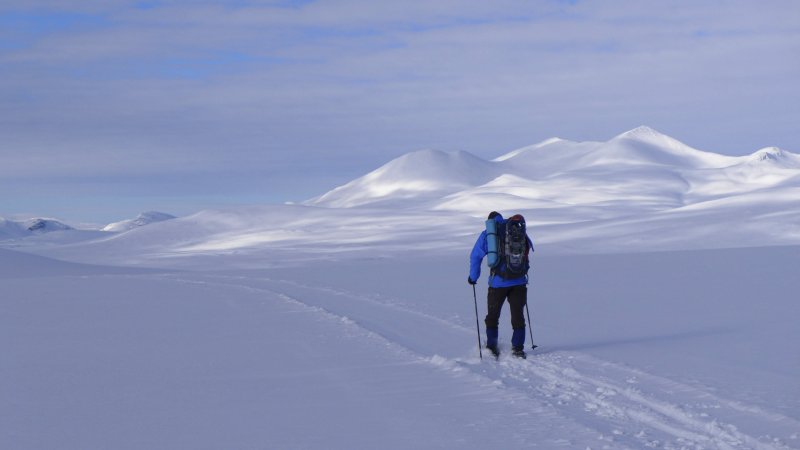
313	91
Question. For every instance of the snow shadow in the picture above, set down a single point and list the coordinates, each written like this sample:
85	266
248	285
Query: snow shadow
636	340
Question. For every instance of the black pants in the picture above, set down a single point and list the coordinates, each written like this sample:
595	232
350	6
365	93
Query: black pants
517	297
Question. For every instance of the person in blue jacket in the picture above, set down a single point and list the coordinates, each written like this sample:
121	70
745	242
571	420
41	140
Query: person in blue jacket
515	289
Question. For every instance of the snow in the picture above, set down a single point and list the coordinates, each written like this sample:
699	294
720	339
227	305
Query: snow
428	173
381	352
14	229
141	220
638	171
662	295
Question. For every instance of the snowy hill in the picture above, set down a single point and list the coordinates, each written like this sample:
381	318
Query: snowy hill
644	145
639	191
141	220
45	225
13	229
426	174
638	170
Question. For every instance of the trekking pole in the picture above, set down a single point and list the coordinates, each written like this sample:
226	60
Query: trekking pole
477	325
530	325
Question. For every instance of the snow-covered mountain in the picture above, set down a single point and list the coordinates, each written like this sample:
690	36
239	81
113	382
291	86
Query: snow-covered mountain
412	178
45	225
641	190
12	229
638	170
141	220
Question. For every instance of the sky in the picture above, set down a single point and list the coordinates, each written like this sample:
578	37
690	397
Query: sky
110	108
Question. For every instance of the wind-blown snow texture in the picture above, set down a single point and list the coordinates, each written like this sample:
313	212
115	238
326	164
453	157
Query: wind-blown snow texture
145	218
347	322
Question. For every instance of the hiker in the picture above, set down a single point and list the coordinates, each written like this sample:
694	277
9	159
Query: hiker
508	278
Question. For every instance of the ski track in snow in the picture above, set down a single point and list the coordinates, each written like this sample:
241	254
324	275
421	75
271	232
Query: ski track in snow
642	409
648	414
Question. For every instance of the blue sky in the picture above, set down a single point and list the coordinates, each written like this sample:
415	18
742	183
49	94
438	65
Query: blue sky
111	108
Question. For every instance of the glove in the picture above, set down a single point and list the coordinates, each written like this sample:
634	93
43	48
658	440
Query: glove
470	280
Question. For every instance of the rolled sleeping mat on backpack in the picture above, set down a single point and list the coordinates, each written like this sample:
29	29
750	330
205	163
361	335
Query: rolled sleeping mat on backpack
492	243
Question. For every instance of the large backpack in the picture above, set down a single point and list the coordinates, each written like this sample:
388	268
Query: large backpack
512	249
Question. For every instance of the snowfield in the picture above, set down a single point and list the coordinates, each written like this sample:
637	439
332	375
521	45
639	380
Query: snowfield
663	297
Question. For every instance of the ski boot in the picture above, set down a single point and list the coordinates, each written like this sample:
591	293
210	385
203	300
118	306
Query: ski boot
491	341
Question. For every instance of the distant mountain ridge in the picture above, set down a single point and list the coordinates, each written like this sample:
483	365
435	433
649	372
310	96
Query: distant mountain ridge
639	191
641	167
10	229
20	229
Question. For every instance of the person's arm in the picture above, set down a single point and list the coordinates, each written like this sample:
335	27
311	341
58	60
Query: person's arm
479	251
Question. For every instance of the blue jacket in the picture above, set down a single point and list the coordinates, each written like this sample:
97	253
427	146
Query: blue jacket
480	250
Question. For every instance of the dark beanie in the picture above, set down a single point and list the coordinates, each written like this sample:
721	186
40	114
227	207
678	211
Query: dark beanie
493	214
